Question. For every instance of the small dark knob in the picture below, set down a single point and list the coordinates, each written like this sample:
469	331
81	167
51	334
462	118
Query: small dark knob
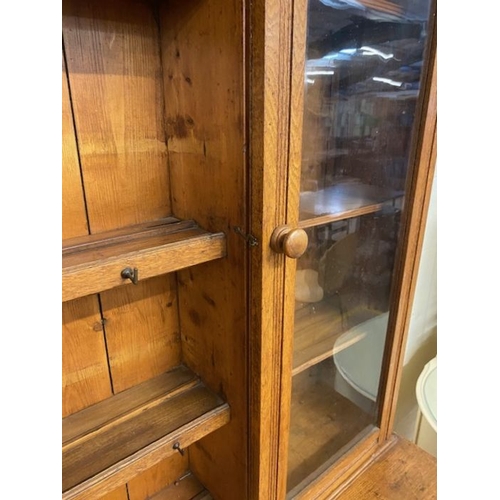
130	274
292	242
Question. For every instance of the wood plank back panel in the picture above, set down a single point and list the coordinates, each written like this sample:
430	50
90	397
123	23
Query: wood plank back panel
113	55
74	218
202	53
113	59
142	330
85	373
155	479
187	488
118	494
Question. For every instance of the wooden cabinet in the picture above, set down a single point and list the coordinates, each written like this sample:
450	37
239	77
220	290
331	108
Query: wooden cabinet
245	186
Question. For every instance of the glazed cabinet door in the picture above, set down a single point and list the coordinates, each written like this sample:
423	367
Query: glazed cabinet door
359	111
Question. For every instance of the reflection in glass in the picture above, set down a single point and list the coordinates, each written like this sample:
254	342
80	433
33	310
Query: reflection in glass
363	74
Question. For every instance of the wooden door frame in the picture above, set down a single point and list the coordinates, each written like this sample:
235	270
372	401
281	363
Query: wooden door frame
275	63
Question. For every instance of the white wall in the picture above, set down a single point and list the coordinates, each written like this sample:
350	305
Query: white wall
421	344
423	320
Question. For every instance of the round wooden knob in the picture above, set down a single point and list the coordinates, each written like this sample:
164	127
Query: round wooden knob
292	242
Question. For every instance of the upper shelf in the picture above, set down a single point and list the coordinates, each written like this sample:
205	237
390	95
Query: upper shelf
94	263
107	444
341	201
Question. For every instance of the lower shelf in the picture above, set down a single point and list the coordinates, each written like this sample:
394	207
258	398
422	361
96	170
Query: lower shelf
109	443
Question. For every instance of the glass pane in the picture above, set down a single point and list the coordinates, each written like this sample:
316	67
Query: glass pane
363	75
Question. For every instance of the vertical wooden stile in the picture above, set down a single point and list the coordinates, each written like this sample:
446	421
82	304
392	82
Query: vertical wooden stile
203	71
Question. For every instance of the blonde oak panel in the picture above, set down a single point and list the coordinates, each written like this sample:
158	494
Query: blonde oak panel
202	46
142	330
74	218
113	57
85	374
153	480
186	488
118	494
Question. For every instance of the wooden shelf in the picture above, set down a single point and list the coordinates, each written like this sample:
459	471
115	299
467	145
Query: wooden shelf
317	328
342	201
94	263
110	442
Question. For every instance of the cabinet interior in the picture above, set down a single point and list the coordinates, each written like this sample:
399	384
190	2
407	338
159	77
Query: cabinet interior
154	373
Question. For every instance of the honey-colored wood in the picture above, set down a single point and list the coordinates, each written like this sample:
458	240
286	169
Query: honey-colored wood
74	218
337	471
405	274
94	268
202	47
142	330
298	25
193	108
269	40
121	448
118	494
83	424
131	233
290	241
403	471
113	57
85	373
336	422
186	487
340	468
155	479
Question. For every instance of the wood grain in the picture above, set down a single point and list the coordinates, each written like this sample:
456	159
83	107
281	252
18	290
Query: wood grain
203	68
142	330
156	478
74	218
127	447
136	232
186	488
113	58
85	374
269	48
404	471
126	404
98	269
336	423
118	494
408	258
